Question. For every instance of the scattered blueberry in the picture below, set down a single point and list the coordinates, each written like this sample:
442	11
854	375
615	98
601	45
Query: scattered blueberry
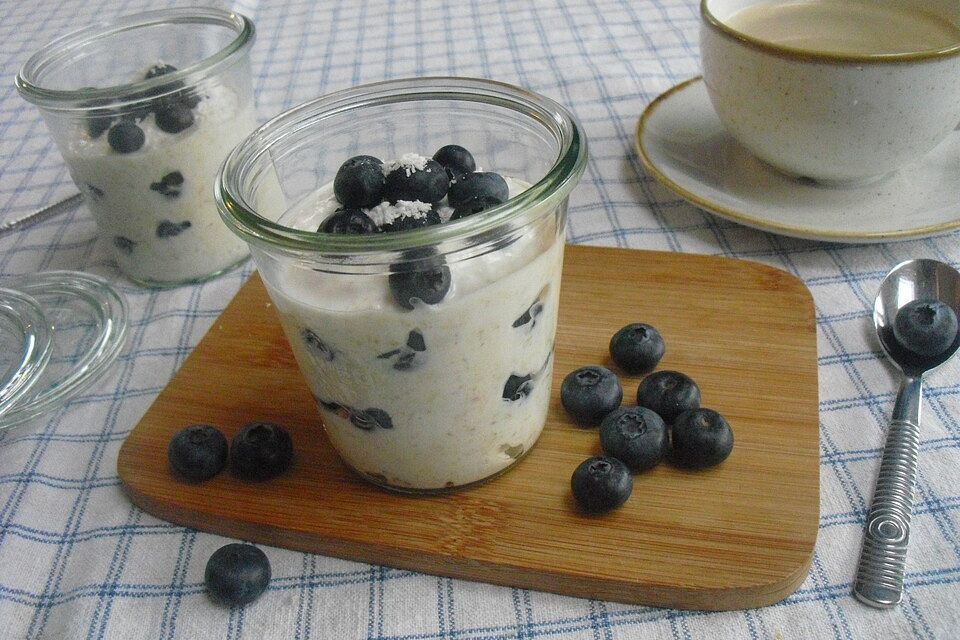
474	185
173	116
601	484
456	160
125	137
474	205
926	327
701	438
590	393
124	244
371	418
198	452
359	182
406	223
635	435
637	348
349	222
261	450
531	314
317	345
425	276
236	574
517	387
95	192
169	185
168	229
429	184
668	393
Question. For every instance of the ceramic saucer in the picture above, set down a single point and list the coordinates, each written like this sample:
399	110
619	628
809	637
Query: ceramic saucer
681	142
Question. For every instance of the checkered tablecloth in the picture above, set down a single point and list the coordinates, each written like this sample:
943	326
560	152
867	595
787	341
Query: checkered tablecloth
78	560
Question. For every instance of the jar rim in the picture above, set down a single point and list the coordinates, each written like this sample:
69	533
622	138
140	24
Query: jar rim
29	79
242	218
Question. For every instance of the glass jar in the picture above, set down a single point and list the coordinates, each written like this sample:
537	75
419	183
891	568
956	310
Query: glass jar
429	351
144	110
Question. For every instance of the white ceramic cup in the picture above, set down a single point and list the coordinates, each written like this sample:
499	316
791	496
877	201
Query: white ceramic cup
830	117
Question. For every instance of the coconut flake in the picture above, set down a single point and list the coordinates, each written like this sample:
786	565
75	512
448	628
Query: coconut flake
385	213
409	162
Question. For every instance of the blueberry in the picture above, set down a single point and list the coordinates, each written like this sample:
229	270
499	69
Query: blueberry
668	394
261	450
349	222
701	438
159	69
125	137
456	160
317	345
474	185
517	387
237	574
601	484
406	223
531	314
926	327
426	185
168	229
359	182
198	452
124	244
369	419
424	277
406	356
637	348
173	116
98	120
590	393
473	206
635	435
169	185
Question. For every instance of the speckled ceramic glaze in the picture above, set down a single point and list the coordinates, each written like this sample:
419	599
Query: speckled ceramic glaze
829	116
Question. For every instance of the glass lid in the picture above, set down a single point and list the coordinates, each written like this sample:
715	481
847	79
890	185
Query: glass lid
88	319
24	345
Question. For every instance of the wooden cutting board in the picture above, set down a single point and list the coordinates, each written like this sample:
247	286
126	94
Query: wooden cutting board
740	535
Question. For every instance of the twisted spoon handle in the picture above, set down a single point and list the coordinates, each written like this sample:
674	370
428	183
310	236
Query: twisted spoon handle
879	580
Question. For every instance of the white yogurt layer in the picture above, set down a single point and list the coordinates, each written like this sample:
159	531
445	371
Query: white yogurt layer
435	376
169	233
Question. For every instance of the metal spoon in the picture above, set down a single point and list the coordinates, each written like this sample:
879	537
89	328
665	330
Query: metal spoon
880	572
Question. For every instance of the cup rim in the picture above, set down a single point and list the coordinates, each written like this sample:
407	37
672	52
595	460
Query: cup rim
242	218
819	56
28	80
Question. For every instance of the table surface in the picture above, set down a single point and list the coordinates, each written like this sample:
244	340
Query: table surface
78	560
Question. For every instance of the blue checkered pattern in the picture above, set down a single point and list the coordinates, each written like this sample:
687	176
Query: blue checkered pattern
77	560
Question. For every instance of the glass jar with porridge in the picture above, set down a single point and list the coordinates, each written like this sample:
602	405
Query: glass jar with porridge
419	292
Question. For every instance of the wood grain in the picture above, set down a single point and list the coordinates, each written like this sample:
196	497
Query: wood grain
737	536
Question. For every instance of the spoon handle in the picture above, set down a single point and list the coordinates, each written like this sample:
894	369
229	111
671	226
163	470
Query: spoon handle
883	557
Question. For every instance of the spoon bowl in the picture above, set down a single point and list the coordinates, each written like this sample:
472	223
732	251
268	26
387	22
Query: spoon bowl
879	581
908	281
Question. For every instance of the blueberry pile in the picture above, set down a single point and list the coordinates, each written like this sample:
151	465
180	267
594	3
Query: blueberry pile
236	574
173	113
365	182
667	421
259	451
